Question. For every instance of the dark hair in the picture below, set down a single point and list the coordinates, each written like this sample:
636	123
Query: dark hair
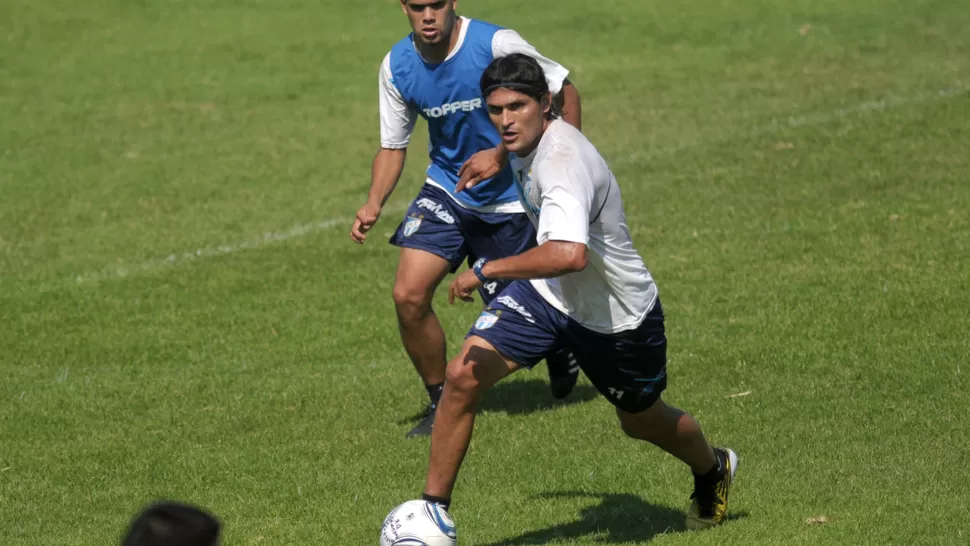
518	72
172	524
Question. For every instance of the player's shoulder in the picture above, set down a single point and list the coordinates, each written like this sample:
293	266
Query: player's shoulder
560	141
563	148
402	50
483	27
482	34
386	64
400	60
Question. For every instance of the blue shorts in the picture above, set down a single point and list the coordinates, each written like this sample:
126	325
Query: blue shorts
629	368
437	224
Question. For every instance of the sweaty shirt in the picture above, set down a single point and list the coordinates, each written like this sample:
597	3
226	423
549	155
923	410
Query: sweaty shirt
571	195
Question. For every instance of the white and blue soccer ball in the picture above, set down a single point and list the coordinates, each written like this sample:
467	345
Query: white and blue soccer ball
418	523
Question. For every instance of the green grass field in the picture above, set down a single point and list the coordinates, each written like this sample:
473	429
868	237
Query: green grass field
184	316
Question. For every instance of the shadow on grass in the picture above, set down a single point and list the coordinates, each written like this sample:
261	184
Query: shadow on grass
530	396
619	518
523	397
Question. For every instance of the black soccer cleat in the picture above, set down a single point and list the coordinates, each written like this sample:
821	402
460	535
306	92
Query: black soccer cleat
424	426
563	373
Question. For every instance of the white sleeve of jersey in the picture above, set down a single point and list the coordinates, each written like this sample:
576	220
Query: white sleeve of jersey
397	119
566	202
507	41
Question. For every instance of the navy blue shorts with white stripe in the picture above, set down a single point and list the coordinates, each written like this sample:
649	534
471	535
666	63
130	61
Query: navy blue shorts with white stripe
629	368
435	223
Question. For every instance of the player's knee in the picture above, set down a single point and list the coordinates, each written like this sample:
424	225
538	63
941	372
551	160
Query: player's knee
645	425
411	304
635	429
460	376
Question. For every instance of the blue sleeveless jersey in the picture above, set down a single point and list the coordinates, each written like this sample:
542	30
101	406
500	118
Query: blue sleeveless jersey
448	96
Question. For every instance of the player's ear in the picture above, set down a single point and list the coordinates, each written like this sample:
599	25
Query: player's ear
545	103
404	6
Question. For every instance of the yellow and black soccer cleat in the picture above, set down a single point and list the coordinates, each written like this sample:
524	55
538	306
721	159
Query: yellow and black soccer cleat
710	496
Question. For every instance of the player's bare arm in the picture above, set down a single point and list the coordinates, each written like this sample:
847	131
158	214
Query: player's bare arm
548	260
385	172
482	166
569	106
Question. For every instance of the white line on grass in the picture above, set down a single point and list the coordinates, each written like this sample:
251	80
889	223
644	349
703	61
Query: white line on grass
208	252
794	122
270	238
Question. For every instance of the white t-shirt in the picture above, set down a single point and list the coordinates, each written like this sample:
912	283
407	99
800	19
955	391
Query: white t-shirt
570	194
398	118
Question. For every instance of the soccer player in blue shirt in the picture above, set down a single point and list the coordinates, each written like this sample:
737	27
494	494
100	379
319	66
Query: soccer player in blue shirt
434	73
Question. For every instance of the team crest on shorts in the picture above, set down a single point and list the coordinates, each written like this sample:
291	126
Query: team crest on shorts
411	225
486	321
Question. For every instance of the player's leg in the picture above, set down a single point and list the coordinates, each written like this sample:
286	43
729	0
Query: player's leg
516	330
563	372
499	235
678	433
630	369
471	373
672	430
418	275
431	246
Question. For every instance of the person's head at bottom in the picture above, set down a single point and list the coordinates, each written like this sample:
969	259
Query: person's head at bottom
172	524
518	100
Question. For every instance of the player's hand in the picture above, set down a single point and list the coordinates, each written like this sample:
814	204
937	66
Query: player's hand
481	166
463	287
366	218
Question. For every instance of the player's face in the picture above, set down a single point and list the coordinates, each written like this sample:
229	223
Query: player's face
519	118
431	20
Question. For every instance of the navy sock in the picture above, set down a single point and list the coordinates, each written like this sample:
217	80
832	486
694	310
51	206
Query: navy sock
443	501
434	393
714	474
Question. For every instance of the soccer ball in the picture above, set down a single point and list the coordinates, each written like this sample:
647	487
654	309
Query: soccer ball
418	523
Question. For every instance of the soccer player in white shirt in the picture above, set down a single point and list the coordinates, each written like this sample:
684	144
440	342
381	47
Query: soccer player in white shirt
584	287
433	73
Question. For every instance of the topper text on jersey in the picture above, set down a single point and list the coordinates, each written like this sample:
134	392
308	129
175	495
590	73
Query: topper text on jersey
453	108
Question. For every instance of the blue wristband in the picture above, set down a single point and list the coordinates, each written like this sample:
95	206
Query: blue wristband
477	269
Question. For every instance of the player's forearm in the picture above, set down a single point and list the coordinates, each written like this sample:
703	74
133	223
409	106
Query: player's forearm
548	260
570	105
503	154
385	172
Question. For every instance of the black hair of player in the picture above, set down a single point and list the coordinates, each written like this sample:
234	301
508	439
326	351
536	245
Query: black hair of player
518	72
172	524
